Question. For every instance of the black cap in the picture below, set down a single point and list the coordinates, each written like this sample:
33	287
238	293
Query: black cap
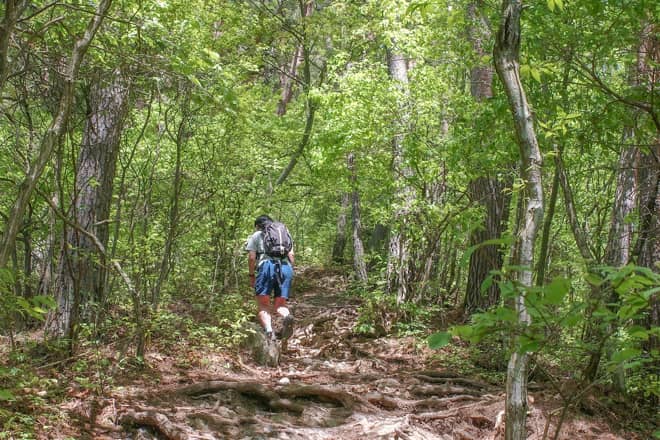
262	221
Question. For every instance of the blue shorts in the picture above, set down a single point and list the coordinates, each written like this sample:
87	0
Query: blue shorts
267	281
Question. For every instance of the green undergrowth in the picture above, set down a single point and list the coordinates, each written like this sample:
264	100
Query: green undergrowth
37	376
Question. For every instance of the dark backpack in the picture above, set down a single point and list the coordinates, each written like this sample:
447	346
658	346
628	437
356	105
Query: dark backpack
277	240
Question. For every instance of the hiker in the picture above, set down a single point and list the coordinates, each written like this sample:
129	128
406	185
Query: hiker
270	267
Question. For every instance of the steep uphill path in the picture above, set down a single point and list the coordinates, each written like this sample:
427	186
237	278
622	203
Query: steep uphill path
330	384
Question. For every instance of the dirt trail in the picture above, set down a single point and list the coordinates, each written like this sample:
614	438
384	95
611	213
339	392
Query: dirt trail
329	385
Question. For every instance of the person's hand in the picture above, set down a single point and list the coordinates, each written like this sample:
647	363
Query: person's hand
252	280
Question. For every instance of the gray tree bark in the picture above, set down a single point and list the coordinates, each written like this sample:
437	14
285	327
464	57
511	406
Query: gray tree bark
340	237
506	56
399	275
634	191
358	248
13	10
81	274
53	133
489	192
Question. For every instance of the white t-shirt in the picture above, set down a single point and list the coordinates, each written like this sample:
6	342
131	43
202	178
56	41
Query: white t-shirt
256	243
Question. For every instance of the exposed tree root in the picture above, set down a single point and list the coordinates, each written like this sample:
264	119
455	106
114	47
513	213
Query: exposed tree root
155	420
443	390
277	399
452	379
437	403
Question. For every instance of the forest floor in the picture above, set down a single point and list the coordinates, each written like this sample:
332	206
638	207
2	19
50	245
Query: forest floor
330	384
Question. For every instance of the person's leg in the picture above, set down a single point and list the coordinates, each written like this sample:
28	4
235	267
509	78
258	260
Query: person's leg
262	288
281	296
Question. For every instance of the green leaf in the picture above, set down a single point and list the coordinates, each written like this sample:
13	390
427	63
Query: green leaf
594	280
560	4
638	332
572	320
506	314
463	331
625	354
628	311
551	5
6	395
557	290
486	284
529	346
647	294
439	340
536	74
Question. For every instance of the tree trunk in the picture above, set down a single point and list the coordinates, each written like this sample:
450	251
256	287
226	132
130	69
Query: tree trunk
481	75
52	135
13	11
544	251
620	239
306	83
310	111
506	57
358	249
340	238
629	196
398	264
648	244
289	74
81	276
487	191
579	234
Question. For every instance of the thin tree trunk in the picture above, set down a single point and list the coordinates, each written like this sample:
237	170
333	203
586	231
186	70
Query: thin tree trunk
302	51
310	110
52	135
506	57
398	264
648	244
579	234
173	220
13	11
289	74
358	249
340	237
544	250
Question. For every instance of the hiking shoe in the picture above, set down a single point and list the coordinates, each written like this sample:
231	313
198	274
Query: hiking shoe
287	327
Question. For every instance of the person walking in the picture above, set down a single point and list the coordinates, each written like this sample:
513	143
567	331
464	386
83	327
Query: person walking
270	268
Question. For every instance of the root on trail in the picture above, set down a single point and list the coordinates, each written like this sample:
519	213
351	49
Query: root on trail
443	390
450	378
157	421
277	398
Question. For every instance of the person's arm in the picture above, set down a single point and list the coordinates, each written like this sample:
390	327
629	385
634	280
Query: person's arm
252	265
292	257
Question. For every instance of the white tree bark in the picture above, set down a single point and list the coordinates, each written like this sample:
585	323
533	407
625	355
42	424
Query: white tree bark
506	57
398	265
